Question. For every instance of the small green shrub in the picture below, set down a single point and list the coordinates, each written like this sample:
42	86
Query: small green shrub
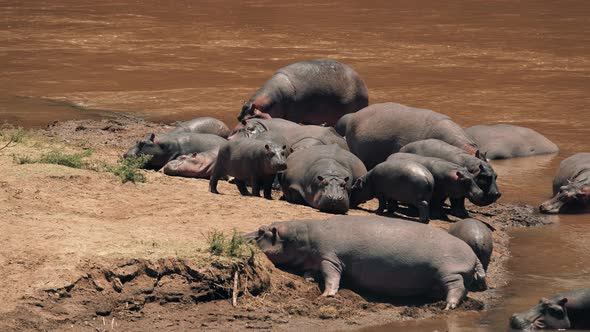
216	242
57	157
219	245
127	169
14	139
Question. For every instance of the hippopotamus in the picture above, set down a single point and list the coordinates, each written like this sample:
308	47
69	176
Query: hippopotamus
569	310
321	176
204	125
309	92
195	165
477	235
254	127
450	180
397	180
375	254
255	161
485	176
377	131
504	141
166	147
310	135
342	124
571	185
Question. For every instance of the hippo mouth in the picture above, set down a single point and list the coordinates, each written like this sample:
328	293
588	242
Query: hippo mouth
336	206
552	206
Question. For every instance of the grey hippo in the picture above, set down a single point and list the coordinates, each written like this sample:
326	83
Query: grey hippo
477	235
203	125
571	185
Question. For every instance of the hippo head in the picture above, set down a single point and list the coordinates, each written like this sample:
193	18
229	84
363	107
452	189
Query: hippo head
361	190
150	145
486	181
248	129
332	193
275	157
569	195
258	108
279	243
464	185
548	314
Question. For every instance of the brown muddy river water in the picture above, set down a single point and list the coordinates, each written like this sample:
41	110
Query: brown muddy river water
480	62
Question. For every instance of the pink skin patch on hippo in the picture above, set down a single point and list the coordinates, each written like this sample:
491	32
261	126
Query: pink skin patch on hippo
470	149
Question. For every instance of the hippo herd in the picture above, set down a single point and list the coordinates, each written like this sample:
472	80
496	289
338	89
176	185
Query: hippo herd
311	131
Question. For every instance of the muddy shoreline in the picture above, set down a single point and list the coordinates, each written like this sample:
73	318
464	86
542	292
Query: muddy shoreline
84	251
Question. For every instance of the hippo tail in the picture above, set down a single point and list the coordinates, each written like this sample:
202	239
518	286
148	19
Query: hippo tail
479	276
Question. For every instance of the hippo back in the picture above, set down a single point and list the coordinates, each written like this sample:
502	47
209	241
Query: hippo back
305	136
203	125
571	168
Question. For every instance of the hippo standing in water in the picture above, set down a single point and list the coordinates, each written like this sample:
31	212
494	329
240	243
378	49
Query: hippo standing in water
380	255
563	311
395	181
485	176
254	161
309	92
450	181
377	131
321	176
204	125
477	235
503	141
166	147
195	165
571	185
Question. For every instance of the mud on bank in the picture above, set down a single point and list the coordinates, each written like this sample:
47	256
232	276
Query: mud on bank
82	250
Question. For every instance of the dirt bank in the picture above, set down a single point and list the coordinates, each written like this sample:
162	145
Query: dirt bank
81	249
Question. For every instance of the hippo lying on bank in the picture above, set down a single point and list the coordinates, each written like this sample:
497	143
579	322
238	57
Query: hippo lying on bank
485	176
254	161
450	181
321	176
377	131
204	125
503	141
166	147
195	165
309	92
395	181
477	235
571	185
380	255
563	311
306	136
254	127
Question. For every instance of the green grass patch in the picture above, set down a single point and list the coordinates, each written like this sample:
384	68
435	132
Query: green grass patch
14	139
127	169
57	157
221	245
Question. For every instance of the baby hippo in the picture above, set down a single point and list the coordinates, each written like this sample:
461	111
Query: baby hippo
255	161
477	235
196	165
397	181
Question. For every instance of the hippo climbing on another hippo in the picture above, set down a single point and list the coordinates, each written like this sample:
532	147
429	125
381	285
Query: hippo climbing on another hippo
569	310
389	257
377	131
195	165
309	92
485	176
477	235
166	147
254	161
395	181
450	181
204	125
504	141
571	185
321	176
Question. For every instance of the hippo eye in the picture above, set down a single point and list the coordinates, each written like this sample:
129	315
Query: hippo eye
282	154
556	313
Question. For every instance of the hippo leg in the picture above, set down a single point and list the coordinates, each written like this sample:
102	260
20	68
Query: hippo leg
256	186
455	290
242	187
382	205
267	184
391	206
423	211
309	276
436	210
331	274
458	207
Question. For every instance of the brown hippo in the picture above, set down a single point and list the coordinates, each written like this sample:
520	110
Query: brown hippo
195	165
309	92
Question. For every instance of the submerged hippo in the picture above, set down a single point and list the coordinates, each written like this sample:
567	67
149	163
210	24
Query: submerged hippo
204	125
254	127
321	176
380	255
503	141
563	311
450	181
377	131
166	147
477	235
195	165
571	185
254	161
395	181
309	92
485	176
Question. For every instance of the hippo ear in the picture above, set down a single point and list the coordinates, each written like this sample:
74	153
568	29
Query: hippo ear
152	137
274	235
266	146
291	150
459	175
194	154
321	178
358	184
244	122
346	179
562	302
284	147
